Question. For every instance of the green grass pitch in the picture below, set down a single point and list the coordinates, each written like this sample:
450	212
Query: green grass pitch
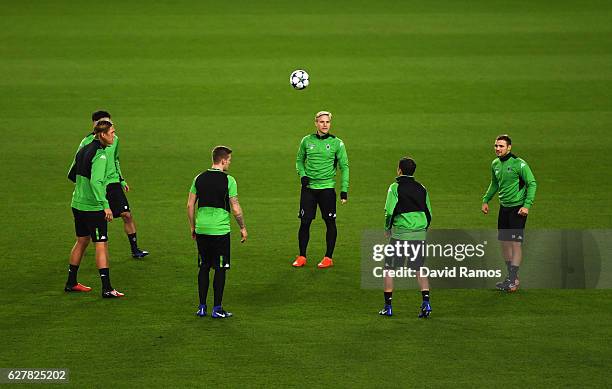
435	80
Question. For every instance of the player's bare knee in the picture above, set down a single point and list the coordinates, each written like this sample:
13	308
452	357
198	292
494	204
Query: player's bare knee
127	217
83	239
100	245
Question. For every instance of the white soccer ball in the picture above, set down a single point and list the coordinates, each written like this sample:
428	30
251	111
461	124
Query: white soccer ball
299	79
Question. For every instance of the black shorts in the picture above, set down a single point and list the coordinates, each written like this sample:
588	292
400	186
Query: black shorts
116	199
394	262
90	223
511	225
214	250
325	198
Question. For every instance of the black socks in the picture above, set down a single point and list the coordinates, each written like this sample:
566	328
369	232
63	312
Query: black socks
304	235
513	273
203	282
72	275
388	298
330	237
218	284
105	278
425	294
133	242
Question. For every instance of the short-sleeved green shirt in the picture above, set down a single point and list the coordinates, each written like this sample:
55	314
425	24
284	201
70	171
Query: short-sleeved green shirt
213	189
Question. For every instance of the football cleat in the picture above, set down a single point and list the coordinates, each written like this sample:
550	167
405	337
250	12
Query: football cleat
512	286
219	313
77	288
201	310
326	262
503	285
299	261
425	310
386	311
138	253
110	294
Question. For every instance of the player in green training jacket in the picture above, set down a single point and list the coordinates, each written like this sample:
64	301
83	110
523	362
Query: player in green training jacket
407	218
318	157
512	178
212	196
91	209
116	184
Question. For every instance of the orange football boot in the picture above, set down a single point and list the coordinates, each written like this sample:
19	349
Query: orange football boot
77	288
326	262
299	261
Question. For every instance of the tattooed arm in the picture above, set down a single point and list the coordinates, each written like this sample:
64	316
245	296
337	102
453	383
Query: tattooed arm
237	211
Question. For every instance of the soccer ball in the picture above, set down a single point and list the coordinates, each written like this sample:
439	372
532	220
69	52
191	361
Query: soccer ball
299	79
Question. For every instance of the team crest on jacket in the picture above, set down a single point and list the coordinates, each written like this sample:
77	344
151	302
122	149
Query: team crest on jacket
327	146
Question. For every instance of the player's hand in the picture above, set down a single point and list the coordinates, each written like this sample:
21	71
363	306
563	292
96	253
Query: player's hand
485	208
126	187
523	211
243	235
387	234
193	234
305	181
108	214
343	197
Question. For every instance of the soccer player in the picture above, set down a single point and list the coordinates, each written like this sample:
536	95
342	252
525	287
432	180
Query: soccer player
317	159
215	192
91	209
116	184
512	178
407	218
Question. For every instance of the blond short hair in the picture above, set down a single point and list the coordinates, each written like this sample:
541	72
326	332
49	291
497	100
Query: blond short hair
321	113
104	119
